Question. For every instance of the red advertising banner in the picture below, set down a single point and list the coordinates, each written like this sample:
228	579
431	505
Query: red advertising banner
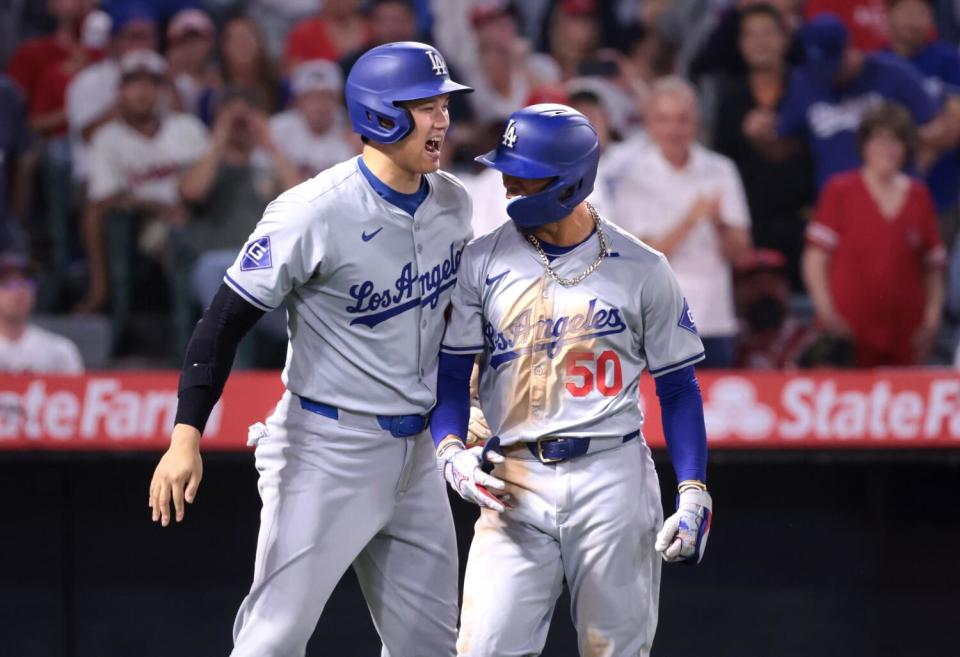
743	410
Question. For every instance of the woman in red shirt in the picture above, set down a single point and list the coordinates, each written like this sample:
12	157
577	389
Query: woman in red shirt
874	259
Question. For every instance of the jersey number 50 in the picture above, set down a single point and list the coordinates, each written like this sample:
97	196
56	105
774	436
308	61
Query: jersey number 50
604	362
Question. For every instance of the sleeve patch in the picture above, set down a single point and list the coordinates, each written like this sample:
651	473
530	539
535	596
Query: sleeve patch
256	255
686	319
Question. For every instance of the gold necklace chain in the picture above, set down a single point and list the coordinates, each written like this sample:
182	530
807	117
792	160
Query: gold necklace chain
570	282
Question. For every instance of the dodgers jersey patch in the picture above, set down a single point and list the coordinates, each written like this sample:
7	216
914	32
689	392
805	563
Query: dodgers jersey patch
686	319
257	255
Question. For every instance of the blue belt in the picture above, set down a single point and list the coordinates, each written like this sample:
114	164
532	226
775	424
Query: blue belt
400	426
552	449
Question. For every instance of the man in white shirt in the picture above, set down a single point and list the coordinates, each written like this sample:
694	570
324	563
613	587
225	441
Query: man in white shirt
92	94
314	134
25	348
136	161
688	202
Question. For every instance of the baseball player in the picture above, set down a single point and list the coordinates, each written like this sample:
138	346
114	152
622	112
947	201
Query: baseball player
564	311
364	258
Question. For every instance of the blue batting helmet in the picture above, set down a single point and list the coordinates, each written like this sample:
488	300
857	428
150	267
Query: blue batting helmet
390	74
547	141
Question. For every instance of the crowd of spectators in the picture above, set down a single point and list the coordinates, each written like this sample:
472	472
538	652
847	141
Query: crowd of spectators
796	160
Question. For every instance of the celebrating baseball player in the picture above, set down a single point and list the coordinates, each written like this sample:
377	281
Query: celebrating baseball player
364	258
565	311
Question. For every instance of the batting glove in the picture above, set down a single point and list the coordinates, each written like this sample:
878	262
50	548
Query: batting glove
461	468
684	534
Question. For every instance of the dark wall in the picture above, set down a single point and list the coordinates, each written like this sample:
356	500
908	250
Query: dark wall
856	556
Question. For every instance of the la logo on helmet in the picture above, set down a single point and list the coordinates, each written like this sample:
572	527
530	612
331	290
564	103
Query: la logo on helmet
510	134
436	61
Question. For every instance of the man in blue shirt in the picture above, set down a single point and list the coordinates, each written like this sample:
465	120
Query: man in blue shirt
911	24
828	96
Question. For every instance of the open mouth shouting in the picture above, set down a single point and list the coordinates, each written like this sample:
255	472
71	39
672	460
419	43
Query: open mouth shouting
433	146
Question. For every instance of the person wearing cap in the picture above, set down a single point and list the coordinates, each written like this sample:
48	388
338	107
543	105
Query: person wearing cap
314	134
769	337
867	20
24	347
363	258
92	94
190	44
135	163
827	98
687	202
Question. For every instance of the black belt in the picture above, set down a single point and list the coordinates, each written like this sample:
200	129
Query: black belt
552	449
400	426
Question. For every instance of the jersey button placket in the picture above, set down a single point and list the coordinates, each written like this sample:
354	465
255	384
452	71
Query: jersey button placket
539	359
421	337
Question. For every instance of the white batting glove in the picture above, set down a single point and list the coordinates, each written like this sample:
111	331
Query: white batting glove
478	431
684	534
461	469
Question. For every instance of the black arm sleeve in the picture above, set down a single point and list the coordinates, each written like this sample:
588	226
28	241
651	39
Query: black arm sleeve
210	354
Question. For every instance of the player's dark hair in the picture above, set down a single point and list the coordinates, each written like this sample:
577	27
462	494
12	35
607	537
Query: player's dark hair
767	10
892	117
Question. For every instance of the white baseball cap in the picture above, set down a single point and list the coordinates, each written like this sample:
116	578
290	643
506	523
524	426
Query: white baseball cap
188	21
316	75
143	61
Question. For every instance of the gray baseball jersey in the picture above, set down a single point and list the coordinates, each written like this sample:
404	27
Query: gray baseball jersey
365	322
566	361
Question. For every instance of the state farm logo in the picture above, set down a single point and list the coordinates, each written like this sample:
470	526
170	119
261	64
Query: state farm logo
101	410
733	409
810	408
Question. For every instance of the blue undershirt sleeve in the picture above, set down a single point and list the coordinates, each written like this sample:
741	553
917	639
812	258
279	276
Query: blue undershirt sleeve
681	408
451	415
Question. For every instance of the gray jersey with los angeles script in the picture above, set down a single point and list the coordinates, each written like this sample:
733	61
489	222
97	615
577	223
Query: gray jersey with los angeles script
365	287
566	361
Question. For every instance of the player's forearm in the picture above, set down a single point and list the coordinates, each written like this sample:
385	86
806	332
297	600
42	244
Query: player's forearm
681	408
451	415
210	355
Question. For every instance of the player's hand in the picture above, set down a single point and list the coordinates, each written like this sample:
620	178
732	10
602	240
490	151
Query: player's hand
684	534
178	474
461	468
478	431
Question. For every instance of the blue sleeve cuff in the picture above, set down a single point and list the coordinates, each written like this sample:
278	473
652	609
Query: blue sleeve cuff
451	415
681	408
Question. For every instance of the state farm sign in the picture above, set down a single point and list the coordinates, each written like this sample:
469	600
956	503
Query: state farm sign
910	408
743	410
123	411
